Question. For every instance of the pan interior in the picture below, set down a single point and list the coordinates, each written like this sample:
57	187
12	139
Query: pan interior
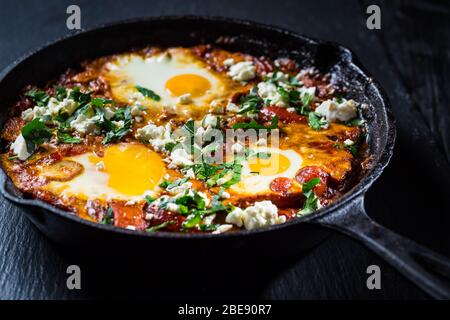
231	35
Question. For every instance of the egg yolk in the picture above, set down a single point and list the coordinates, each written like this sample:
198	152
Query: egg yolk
188	83
132	168
275	164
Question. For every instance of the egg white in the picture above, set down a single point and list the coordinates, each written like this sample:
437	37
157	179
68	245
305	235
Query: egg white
94	181
255	184
127	72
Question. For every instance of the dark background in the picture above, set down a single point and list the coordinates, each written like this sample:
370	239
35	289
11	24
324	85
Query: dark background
410	56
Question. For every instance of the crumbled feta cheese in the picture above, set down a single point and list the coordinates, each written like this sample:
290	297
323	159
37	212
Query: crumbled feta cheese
189	173
209	121
136	110
180	158
217	106
184	99
173	207
32	113
136	96
242	71
85	125
209	219
228	62
109	113
19	147
157	136
181	189
221	181
269	93
222	228
130	203
310	90
235	217
261	214
279	76
67	106
100	166
225	195
205	197
231	107
291	109
131	228
119	124
53	107
333	111
348	142
149	216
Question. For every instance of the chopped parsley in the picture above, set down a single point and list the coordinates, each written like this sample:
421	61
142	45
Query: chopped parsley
159	226
101	102
164	184
292	97
177	183
354	148
39	97
356	122
251	103
148	93
209	227
109	216
189	127
316	121
60	93
35	133
255	125
149	199
204	170
83	98
312	201
169	146
114	132
65	137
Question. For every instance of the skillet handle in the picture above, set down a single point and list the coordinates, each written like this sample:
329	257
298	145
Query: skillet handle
425	268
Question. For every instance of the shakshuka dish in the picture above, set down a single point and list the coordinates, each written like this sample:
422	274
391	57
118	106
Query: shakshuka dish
192	139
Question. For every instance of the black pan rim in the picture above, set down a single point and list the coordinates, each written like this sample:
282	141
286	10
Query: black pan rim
358	190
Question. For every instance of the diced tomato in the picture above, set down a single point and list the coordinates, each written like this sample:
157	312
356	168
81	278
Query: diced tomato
125	216
307	173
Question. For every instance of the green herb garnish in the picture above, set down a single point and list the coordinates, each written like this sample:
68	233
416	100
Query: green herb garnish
169	146
177	183
109	216
149	199
65	137
60	93
312	201
35	133
255	125
116	133
159	226
38	96
316	121
250	103
148	93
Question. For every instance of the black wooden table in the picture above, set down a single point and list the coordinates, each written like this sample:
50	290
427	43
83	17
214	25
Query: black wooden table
410	56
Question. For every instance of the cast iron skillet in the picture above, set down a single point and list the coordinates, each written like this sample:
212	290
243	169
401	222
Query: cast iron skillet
347	215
